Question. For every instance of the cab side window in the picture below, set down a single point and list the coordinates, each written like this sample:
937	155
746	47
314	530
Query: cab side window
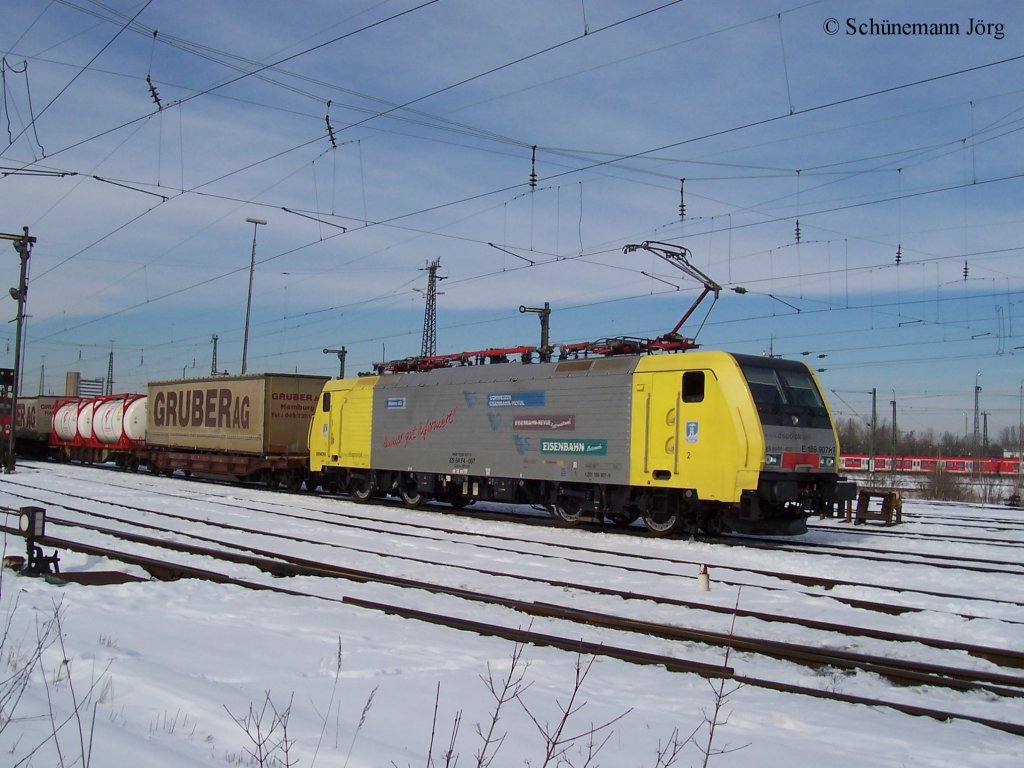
326	408
693	387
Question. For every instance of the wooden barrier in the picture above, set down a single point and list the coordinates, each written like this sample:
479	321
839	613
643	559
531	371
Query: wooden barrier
883	504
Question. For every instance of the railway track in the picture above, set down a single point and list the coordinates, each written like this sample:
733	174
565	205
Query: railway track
996	655
904	532
976	564
583	554
642	564
894	669
1002	683
983	563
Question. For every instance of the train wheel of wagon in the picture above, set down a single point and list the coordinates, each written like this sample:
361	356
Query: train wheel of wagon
154	468
362	492
410	494
663	523
271	480
293	483
567	512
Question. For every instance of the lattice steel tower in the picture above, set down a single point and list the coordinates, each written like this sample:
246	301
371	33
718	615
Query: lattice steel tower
429	346
109	389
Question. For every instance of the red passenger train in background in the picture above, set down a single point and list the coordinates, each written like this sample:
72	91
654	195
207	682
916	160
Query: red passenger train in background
958	465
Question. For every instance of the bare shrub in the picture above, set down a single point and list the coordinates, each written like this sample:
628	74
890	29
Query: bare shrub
66	705
267	730
718	717
943	486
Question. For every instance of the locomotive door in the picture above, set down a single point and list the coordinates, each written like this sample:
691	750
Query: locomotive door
334	425
660	462
687	427
706	459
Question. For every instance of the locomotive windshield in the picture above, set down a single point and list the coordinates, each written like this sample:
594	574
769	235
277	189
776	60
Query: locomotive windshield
785	393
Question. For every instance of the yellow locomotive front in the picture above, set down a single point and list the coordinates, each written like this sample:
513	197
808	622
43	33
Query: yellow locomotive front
731	442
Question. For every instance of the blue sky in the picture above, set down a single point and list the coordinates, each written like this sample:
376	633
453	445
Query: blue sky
875	142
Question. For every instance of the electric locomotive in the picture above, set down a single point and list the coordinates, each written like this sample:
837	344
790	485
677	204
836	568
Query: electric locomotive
706	441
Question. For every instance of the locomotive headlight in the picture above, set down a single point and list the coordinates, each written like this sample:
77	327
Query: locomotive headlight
828	462
773	460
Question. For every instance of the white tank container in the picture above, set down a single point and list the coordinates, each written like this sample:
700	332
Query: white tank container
85	412
65	421
135	419
106	421
119	418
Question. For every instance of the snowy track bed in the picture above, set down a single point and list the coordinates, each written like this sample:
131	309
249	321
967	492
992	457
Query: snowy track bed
643	580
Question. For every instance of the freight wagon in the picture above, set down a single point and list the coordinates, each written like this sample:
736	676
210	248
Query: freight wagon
99	429
251	427
707	440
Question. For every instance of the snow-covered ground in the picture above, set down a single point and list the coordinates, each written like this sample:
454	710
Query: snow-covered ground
164	670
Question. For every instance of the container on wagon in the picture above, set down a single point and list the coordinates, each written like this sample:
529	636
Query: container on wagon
33	422
256	414
34	417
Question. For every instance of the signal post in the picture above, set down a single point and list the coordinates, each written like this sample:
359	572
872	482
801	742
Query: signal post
23	245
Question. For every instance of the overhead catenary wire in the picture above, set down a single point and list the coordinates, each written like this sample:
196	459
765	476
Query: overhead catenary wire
50	103
709	222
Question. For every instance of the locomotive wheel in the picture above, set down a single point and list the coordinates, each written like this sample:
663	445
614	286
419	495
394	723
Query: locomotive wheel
362	492
662	523
568	512
411	495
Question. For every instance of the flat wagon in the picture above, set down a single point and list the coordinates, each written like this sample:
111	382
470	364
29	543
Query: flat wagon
99	429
